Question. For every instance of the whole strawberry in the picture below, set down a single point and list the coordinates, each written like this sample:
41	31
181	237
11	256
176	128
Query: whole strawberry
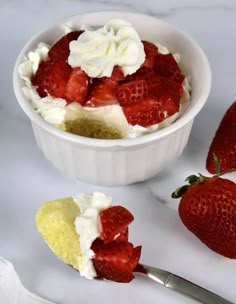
224	143
208	209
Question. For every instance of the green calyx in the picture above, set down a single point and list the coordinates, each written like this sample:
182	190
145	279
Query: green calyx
192	179
196	179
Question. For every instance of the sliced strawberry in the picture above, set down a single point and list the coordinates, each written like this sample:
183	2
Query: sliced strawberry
107	271
115	252
150	51
77	86
101	94
132	92
142	73
133	261
51	78
123	235
166	66
157	86
167	92
60	50
169	106
115	261
145	113
114	220
116	76
173	89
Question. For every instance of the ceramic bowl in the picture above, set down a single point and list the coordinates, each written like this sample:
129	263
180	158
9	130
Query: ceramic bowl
117	162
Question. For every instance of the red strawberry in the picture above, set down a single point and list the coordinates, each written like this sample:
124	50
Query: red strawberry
150	51
114	220
166	88
169	106
101	94
51	78
208	209
123	236
166	66
116	76
132	92
157	86
142	73
224	143
60	50
77	86
115	261
133	261
145	113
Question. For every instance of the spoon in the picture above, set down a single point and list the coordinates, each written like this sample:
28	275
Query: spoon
180	285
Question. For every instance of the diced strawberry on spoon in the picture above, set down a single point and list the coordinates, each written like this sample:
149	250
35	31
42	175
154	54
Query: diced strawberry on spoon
77	86
114	220
101	94
60	50
115	261
123	235
51	78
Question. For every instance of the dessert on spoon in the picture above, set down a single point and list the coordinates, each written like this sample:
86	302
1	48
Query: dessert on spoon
88	233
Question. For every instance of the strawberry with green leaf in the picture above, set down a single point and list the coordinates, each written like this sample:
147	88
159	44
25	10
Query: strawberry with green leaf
208	209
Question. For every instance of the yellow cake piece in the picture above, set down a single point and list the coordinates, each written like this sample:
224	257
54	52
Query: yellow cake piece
92	128
55	222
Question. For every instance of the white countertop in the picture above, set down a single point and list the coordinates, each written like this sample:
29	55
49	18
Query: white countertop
27	179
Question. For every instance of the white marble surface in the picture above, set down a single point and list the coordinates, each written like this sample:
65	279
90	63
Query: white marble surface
27	179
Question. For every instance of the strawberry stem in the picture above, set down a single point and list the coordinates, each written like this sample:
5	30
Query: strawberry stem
217	164
192	179
198	179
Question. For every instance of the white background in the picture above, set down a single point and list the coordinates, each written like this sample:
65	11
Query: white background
27	179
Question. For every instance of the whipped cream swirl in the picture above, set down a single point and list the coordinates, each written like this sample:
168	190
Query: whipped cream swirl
97	51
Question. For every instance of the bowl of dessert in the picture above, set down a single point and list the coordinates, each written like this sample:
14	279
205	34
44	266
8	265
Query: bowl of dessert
112	96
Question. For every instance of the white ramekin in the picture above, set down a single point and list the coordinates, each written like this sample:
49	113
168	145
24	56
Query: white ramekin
121	161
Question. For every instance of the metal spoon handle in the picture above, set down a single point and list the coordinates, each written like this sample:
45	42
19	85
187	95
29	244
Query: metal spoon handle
182	286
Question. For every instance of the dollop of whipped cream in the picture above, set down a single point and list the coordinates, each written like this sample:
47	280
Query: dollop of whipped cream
87	227
97	51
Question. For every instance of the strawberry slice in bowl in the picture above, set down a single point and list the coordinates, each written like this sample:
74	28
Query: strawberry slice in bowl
145	113
132	92
151	52
166	66
60	50
77	86
51	78
101	94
